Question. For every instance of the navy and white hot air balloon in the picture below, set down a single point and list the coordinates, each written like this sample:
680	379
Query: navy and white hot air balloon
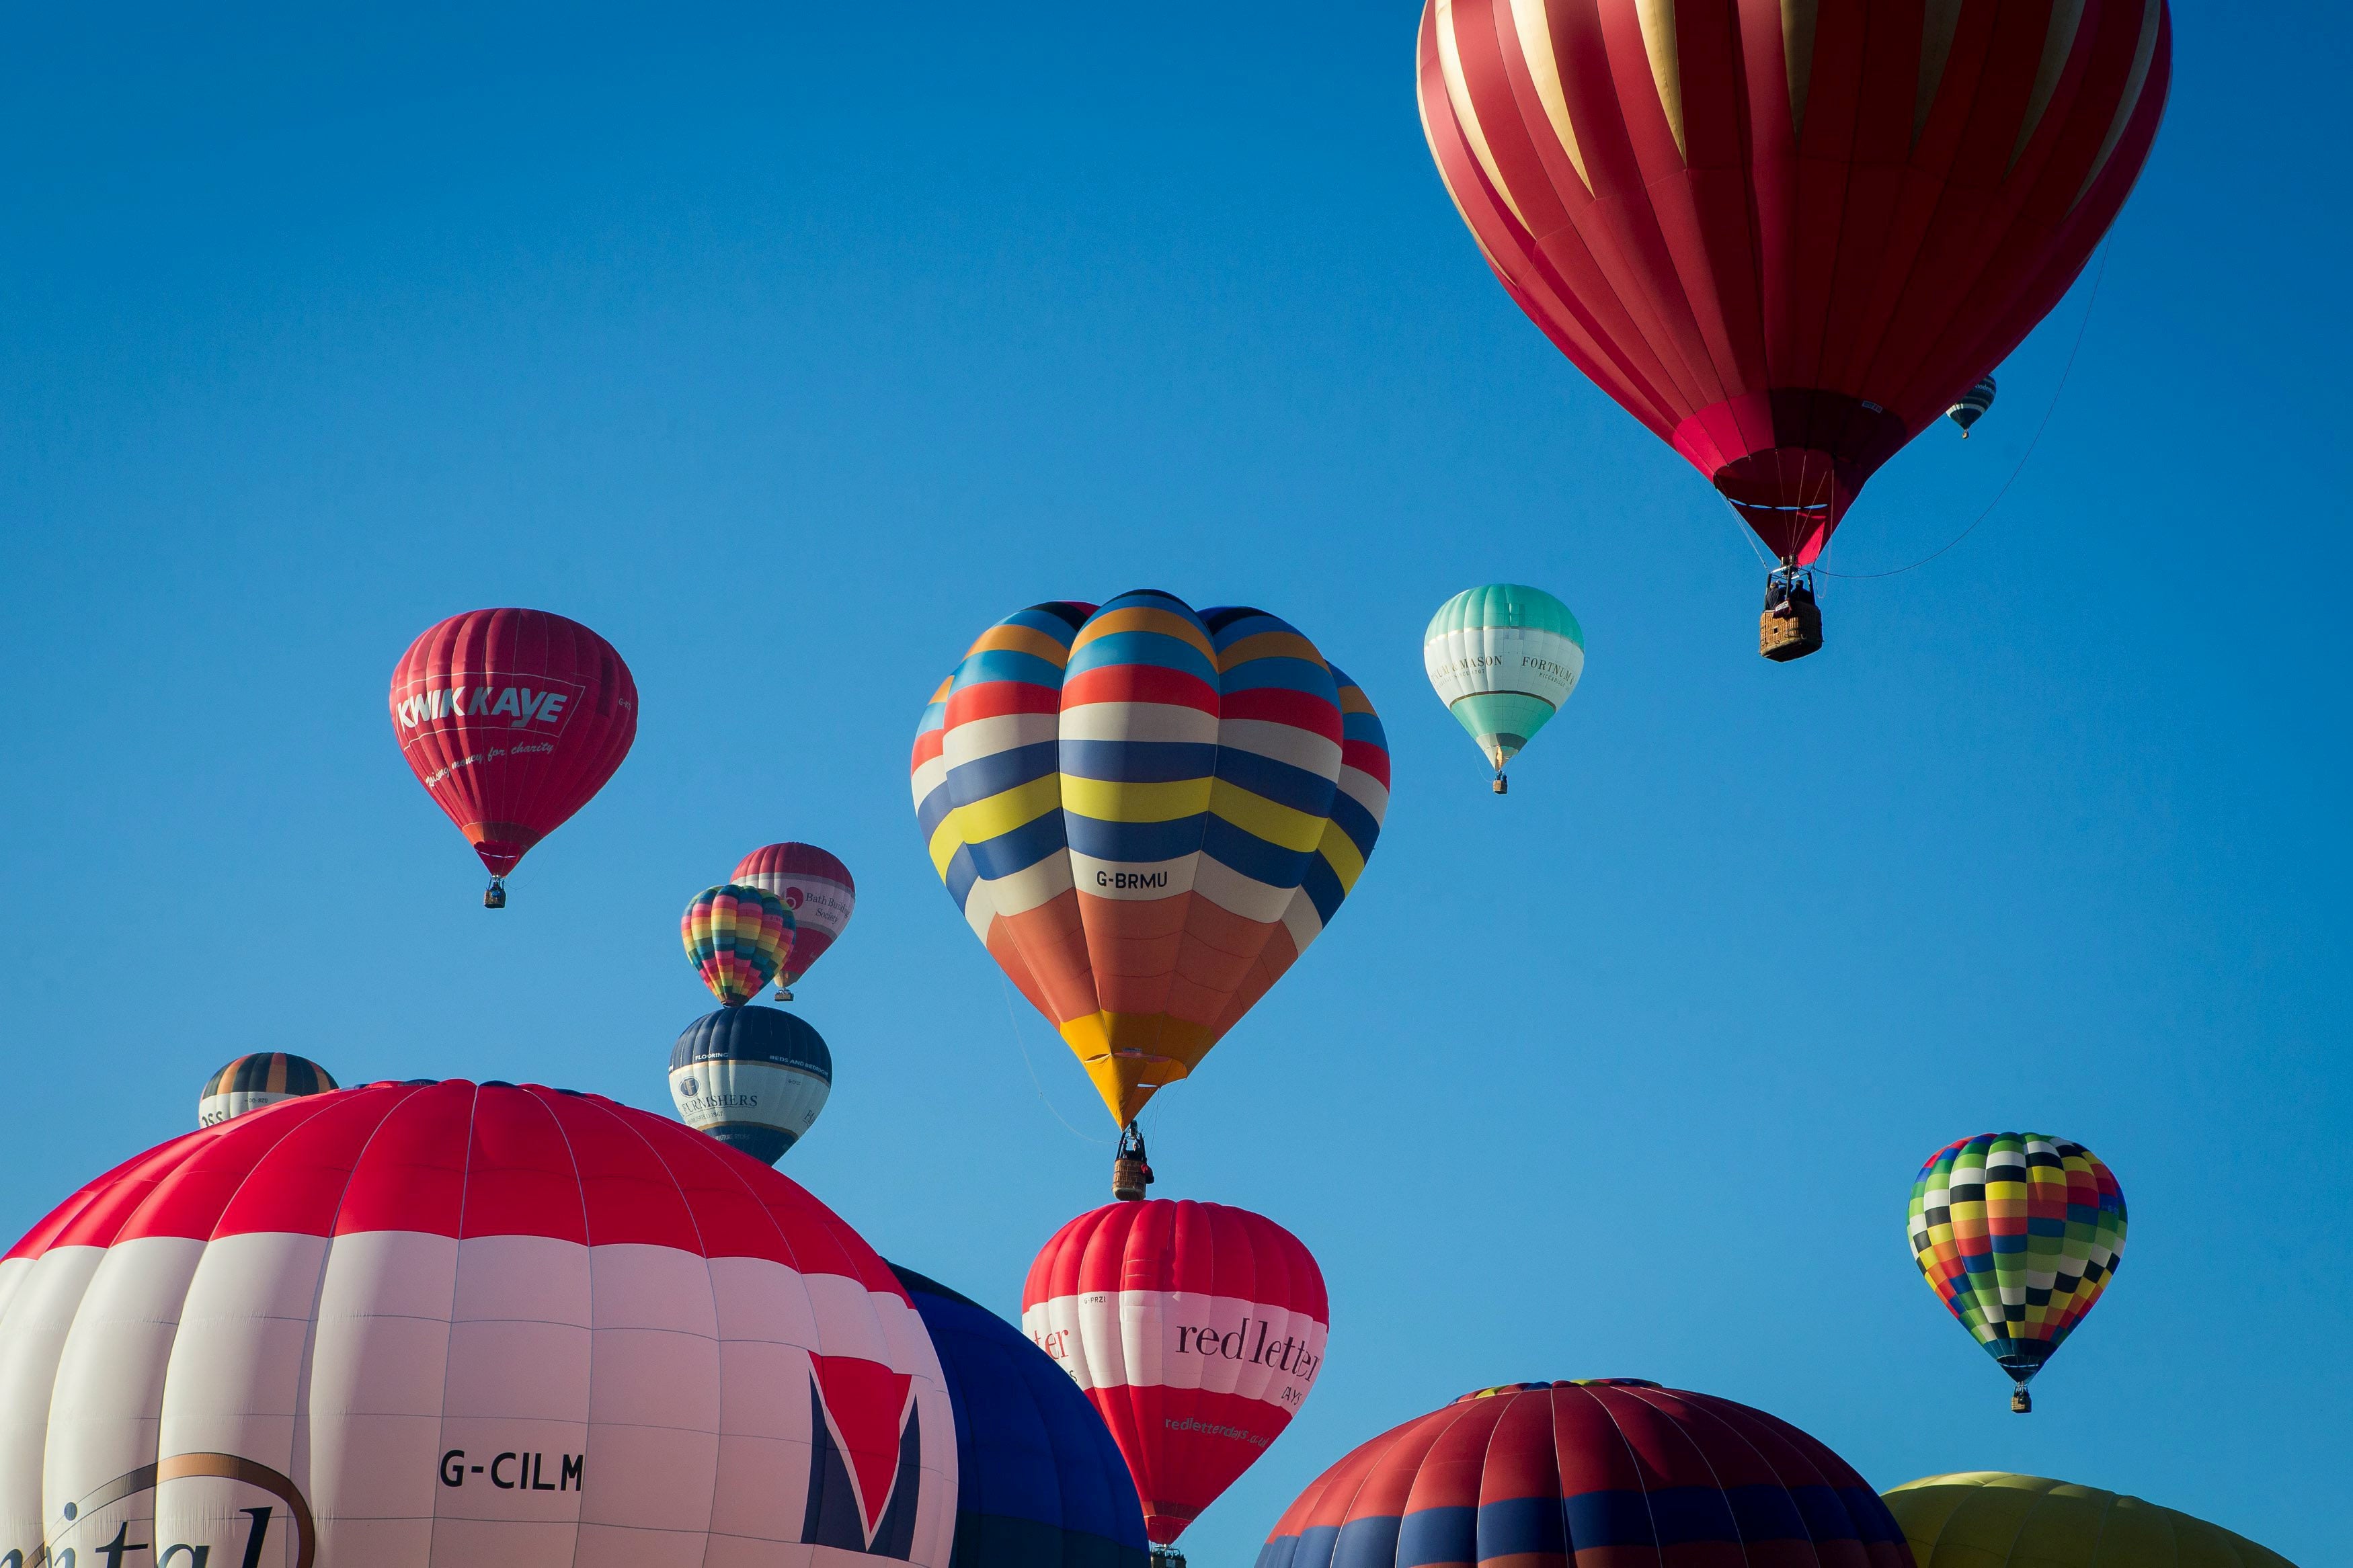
1972	405
250	1082
752	1078
1039	1479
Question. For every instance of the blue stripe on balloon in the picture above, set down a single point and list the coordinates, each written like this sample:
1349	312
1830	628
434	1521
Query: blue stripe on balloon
1280	781
1355	821
1365	1544
1868	1511
1007	664
1277	673
1768	1513
1156	649
1519	1526
960	875
1364	727
1139	761
1608	1518
1042	620
1001	771
1135	842
1251	856
1018	848
1280	1551
1437	1535
1323	888
933	810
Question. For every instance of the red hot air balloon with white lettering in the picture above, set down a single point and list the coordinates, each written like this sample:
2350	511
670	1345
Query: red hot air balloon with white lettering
818	890
1196	1331
512	719
448	1325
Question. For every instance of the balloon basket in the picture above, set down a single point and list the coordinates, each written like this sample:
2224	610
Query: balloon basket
1503	785
1131	1173
1168	1557
494	897
783	994
2020	1402
1791	626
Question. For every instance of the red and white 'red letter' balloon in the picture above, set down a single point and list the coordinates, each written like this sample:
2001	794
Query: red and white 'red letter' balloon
450	1326
1196	1329
512	719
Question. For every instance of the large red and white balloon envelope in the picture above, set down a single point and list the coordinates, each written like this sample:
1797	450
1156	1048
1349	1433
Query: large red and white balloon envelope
450	1325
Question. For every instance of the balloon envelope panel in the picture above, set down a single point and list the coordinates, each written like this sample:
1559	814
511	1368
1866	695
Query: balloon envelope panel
1786	239
250	1082
512	719
1196	1331
433	1325
1599	1473
1128	804
754	1078
1039	1482
1988	1517
814	886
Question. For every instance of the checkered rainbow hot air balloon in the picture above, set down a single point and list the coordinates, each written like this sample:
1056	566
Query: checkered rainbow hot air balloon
1147	813
736	938
2018	1234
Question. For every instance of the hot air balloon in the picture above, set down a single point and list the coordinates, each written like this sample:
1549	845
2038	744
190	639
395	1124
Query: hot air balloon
815	887
1787	237
2018	1235
1971	406
1986	1517
1195	1329
250	1082
1504	659
752	1078
1147	814
1598	1471
512	719
1039	1482
444	1325
737	938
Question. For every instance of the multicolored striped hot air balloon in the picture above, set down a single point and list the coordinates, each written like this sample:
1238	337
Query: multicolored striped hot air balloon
2018	1234
1148	813
1603	1472
818	890
1504	659
1972	405
736	938
250	1082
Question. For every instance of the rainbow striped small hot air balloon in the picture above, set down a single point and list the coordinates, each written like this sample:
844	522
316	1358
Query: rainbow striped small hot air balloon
1504	659
2018	1235
736	938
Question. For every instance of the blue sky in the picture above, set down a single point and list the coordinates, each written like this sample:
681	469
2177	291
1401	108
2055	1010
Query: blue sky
788	352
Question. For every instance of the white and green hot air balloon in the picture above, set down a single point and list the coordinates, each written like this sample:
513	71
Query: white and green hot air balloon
1504	659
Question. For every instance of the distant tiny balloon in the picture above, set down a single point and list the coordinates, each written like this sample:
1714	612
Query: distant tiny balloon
815	887
752	1078
250	1082
736	938
1504	659
1972	405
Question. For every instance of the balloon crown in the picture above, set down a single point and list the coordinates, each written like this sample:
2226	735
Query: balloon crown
1558	1383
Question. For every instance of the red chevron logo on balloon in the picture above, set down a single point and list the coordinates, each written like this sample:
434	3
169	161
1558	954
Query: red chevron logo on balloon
865	1404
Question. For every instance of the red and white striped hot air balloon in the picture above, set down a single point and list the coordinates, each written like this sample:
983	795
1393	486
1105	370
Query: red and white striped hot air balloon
449	1325
816	886
1195	1329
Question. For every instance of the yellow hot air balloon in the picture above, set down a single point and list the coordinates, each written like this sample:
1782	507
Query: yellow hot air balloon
1984	1519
